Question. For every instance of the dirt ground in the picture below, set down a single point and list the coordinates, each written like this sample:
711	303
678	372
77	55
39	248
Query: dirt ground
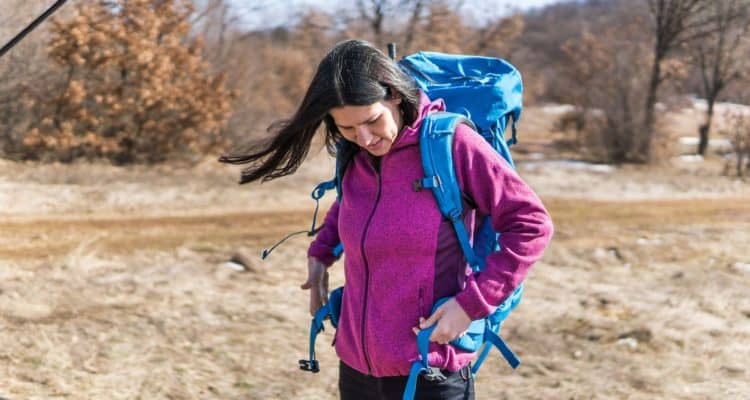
114	285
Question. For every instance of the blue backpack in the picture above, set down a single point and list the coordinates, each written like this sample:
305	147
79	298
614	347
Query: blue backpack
484	93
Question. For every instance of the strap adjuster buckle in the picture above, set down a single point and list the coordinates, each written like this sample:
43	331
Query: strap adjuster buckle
426	182
433	375
309	365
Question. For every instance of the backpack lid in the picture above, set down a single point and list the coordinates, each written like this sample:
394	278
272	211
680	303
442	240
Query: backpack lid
487	90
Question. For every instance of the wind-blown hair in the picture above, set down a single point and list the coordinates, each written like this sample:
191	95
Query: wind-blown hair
353	73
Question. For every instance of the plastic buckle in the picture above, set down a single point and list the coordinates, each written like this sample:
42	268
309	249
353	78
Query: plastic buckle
309	365
427	182
434	375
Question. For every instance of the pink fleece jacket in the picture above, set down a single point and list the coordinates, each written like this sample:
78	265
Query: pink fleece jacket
401	255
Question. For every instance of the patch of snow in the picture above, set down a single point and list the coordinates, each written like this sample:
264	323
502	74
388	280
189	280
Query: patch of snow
722	107
742	266
642	241
235	266
690	158
690	143
628	342
693	141
567	165
558	109
536	156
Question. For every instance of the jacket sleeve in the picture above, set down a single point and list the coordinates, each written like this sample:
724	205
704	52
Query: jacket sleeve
327	239
516	212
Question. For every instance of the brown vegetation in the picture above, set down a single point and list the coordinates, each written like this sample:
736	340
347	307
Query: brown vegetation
133	87
613	60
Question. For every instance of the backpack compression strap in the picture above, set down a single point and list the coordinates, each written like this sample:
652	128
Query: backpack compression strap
316	326
492	332
331	310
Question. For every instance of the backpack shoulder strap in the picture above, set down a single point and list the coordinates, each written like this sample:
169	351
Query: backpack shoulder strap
436	147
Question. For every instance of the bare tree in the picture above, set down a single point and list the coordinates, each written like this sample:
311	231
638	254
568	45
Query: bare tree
676	22
218	22
452	34
375	13
719	56
499	37
416	14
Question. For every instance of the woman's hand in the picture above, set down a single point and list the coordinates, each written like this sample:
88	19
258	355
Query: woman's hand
317	282
452	322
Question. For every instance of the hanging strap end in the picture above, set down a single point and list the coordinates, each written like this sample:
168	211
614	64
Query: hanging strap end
309	365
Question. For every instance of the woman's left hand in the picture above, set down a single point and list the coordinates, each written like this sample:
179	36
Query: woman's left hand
452	322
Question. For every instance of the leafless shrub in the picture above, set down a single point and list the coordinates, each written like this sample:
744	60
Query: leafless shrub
738	132
581	132
606	72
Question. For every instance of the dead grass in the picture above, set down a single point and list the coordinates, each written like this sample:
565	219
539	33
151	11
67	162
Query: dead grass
30	238
624	305
650	214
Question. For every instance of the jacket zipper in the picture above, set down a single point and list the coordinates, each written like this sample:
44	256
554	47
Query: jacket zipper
367	271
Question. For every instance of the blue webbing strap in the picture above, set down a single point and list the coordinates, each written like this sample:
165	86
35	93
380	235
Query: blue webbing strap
492	330
436	144
463	239
338	250
421	365
316	327
486	347
509	355
493	339
318	194
411	384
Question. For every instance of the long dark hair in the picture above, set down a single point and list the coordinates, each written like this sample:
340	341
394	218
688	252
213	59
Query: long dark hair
353	73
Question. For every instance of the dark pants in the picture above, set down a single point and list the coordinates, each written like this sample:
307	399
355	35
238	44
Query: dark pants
354	385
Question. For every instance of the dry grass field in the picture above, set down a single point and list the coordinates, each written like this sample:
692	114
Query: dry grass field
114	285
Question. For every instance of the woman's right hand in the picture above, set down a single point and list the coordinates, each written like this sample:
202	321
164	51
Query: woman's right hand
317	283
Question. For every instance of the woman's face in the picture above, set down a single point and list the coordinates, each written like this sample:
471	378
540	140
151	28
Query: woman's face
373	128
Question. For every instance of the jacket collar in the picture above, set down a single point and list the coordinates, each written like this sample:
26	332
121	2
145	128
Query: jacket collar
409	134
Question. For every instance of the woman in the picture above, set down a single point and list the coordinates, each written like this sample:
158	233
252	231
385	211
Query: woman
401	255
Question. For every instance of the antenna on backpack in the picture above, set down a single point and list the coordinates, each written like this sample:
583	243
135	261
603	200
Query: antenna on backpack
392	51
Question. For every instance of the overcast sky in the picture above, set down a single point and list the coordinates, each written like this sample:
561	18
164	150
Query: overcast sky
279	13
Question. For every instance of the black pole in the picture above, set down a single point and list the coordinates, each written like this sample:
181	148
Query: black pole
31	27
392	51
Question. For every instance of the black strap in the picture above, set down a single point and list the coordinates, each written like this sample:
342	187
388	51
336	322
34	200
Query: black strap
31	27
